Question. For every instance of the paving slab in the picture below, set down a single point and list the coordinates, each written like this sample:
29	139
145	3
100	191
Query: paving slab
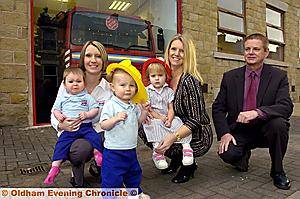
213	178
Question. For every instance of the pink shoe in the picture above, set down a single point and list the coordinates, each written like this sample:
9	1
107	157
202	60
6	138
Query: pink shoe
51	175
159	161
98	158
188	157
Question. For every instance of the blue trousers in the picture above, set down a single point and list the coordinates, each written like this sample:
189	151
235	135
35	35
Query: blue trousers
121	167
65	140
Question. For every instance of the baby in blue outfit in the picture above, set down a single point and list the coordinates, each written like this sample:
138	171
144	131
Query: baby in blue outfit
75	103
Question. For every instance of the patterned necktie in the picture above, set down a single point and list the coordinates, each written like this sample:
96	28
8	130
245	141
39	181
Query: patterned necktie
251	95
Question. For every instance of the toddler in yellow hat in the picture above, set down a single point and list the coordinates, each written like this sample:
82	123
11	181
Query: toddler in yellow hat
120	119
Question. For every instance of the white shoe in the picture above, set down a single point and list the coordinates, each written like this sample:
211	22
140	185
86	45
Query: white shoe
188	157
159	161
144	196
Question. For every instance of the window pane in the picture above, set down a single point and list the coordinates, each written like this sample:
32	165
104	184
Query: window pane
233	5
273	17
276	52
231	22
131	33
230	43
275	34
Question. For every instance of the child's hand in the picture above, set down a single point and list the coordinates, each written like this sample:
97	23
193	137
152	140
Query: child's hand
149	111
168	122
145	108
163	118
82	115
121	116
147	120
61	117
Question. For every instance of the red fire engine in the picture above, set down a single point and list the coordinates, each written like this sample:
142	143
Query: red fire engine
59	41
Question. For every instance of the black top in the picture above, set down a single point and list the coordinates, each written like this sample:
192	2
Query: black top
189	106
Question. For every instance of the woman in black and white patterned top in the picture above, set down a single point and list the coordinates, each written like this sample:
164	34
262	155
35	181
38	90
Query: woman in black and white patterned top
189	106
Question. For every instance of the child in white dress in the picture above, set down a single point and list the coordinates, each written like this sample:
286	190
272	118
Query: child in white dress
163	120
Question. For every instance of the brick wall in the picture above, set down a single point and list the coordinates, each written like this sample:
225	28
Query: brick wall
14	51
200	20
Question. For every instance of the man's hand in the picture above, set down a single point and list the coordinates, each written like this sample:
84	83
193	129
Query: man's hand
247	116
225	140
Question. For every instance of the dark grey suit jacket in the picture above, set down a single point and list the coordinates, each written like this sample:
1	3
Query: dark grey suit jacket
272	97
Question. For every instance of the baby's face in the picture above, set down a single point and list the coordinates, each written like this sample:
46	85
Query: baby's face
157	78
74	83
124	87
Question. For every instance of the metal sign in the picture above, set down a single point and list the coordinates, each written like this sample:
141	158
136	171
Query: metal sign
112	23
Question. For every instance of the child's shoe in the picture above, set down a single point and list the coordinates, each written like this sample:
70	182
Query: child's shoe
98	158
144	196
159	161
188	157
51	175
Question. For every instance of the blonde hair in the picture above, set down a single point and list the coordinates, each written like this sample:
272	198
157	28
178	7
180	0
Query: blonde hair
102	51
190	59
155	67
110	76
73	70
116	72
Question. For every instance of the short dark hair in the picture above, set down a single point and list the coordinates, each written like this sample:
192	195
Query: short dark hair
260	37
74	70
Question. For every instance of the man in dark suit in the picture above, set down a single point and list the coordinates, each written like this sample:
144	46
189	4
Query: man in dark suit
252	110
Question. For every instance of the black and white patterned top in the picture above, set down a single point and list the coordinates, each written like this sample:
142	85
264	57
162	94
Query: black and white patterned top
189	106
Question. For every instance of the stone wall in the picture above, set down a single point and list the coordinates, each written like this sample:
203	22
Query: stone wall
200	21
14	52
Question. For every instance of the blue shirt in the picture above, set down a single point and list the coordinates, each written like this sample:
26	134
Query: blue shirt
71	105
124	134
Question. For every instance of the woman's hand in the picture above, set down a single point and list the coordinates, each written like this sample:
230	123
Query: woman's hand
166	143
69	124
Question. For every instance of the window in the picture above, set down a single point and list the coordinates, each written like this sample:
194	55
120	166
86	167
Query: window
231	26
275	33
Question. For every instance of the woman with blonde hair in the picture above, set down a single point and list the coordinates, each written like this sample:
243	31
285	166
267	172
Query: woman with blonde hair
189	106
